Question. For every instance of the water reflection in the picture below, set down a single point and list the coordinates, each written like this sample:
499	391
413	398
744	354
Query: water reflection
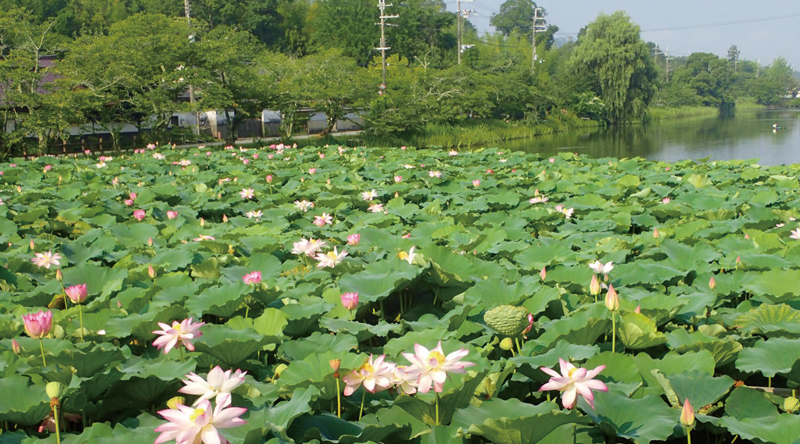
748	135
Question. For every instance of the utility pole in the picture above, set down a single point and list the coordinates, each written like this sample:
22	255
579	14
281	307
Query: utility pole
539	24
461	14
383	48
667	57
186	10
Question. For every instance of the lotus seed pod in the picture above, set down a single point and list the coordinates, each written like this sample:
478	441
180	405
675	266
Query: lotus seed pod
506	344
508	320
791	405
54	389
173	402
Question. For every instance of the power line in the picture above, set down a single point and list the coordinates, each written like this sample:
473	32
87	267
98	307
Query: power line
712	25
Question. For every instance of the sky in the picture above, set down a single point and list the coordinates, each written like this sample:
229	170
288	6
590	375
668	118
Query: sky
757	37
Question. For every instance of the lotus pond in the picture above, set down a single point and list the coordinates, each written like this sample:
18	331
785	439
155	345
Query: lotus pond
404	278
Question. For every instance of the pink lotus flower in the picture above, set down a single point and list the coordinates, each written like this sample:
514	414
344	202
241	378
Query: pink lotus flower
376	207
46	259
247	193
189	425
179	333
538	199
476	183
349	300
252	278
321	221
269	178
139	214
436	174
453	153
309	247
573	381
398	179
38	325
312	170
128	202
665	200
433	366
219	384
76	293
132	196
795	234
353	239
15	347
374	375
172	214
330	259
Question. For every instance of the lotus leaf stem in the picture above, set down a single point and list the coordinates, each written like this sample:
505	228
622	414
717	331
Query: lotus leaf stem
339	400
41	347
363	397
58	424
80	316
437	409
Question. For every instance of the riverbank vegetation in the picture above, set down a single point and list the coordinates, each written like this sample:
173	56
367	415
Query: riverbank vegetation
83	64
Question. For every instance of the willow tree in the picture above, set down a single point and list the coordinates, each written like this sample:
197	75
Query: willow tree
619	67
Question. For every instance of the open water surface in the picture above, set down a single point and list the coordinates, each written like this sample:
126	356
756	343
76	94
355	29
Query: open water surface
748	135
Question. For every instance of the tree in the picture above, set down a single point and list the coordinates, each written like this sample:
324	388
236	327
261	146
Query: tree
348	25
710	77
425	29
334	83
733	56
616	60
774	84
514	16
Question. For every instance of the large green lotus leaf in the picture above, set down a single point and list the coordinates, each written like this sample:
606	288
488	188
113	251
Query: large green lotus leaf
449	404
619	367
102	432
208	269
543	253
379	279
578	275
645	272
746	403
23	404
779	284
318	343
220	301
494	292
330	429
637	331
783	429
757	261
270	323
305	315
640	420
161	368
98	279
52	346
569	433
427	338
267	264
14	437
142	325
449	266
685	257
363	331
231	346
138	232
315	370
723	350
443	435
779	319
673	363
700	388
87	362
582	327
539	301
280	417
659	308
770	357
173	259
513	421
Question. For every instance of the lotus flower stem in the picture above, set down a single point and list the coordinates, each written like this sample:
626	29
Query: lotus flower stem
688	435
181	351
58	424
41	347
246	311
64	293
338	400
519	349
613	332
363	398
80	316
769	382
437	409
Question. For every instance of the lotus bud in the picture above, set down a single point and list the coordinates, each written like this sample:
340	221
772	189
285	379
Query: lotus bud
149	241
151	272
612	299
335	364
175	401
687	414
638	309
350	300
59	275
507	344
712	284
269	178
508	320
202	222
791	404
225	218
543	273
594	286
15	347
54	389
33	245
655	233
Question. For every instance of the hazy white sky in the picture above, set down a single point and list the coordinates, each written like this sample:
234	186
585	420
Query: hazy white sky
756	38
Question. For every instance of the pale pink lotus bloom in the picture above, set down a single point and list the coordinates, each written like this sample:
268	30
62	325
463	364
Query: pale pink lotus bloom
139	214
312	170
197	425
436	174
369	195
476	183
398	179
219	384
573	381
38	325
128	202
330	259
600	268
321	221
405	379
48	167
376	207
252	278
76	293
46	259
453	153
203	237
349	300
254	214
433	366
353	239
179	333
309	247
408	257
552	160
303	205
172	214
245	161
795	234
247	193
665	200
538	199
375	375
